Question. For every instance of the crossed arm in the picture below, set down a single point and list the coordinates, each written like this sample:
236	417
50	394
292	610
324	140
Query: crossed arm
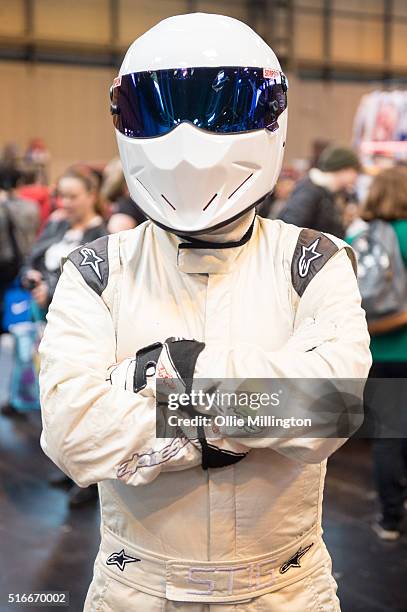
91	428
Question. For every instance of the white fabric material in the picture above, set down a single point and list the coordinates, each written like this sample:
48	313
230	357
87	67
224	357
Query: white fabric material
316	592
253	326
225	581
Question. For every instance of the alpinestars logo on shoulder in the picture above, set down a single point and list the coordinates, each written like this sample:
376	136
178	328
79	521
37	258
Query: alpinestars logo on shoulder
309	254
90	258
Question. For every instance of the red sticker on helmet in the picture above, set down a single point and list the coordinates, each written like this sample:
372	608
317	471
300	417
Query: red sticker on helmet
270	73
117	81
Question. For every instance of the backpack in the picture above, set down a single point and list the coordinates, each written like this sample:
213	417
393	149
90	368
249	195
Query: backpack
382	276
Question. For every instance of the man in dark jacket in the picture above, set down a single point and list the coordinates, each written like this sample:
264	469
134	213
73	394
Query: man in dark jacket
313	203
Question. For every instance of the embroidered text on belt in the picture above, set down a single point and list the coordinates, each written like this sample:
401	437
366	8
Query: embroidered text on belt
210	581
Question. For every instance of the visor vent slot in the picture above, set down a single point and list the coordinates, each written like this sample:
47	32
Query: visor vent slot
210	201
241	185
168	202
144	187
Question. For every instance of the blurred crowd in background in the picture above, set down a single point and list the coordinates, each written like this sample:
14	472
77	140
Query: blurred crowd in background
334	192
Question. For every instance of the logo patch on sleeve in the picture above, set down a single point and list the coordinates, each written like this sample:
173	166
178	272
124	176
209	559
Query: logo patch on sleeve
312	251
90	258
92	262
309	253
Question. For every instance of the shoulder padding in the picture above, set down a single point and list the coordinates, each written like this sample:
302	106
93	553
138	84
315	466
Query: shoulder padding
92	261
312	251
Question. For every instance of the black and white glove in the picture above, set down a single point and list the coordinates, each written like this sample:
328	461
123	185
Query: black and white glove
176	369
169	368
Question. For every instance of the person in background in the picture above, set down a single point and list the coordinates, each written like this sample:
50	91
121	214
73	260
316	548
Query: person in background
23	210
19	222
353	222
10	156
125	214
275	202
77	222
29	187
37	156
387	200
314	202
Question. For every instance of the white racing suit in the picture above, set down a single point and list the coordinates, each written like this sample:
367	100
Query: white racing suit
282	303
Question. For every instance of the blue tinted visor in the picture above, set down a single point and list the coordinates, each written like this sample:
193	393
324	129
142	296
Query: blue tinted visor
228	100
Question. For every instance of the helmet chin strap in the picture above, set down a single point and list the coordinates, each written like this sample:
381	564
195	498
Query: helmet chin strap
232	232
229	233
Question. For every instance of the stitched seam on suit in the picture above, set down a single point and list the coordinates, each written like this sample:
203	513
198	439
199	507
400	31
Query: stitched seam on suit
103	593
293	296
116	289
234	500
322	471
311	589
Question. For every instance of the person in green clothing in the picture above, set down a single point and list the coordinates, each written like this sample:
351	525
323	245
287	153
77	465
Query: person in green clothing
387	200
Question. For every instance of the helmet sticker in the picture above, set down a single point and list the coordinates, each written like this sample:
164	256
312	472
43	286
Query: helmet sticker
270	73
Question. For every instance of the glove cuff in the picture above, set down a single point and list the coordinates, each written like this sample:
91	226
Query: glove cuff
184	355
214	457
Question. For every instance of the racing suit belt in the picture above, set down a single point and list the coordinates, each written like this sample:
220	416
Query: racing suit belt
210	581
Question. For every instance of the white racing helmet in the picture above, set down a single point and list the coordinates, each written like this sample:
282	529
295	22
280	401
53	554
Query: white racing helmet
200	111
